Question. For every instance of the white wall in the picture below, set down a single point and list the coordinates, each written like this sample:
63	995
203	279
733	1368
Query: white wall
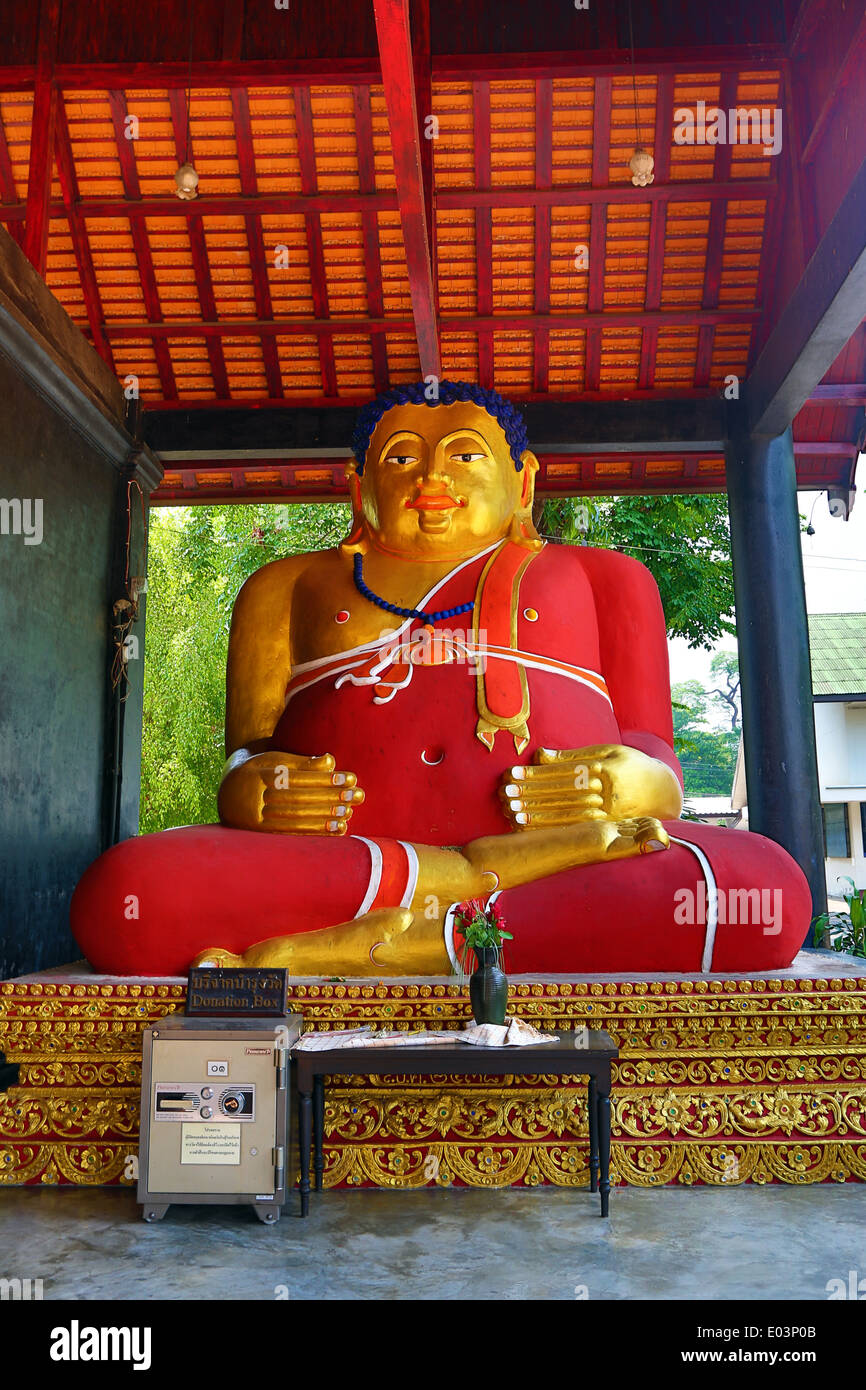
840	732
855	867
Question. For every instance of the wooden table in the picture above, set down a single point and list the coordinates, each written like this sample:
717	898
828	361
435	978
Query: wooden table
562	1057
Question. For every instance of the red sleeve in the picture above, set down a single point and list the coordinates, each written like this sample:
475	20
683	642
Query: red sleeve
634	651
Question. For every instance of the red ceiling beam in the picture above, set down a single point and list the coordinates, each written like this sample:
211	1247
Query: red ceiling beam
790	223
658	226
850	70
422	66
597	228
356	398
577	62
483	228
799	175
253	224
784	223
78	232
395	52
233	72
207	299
853	394
579	195
233	30
370	233
315	245
828	448
8	190
564	475
180	120
45	98
543	181
459	323
140	242
715	239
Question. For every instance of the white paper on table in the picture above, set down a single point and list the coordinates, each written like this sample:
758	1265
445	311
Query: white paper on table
366	1037
515	1032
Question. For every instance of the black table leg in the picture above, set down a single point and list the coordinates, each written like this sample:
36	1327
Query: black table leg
604	1144
318	1129
305	1130
593	1134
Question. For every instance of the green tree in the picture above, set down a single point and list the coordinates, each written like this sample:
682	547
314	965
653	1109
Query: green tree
683	540
725	670
708	756
198	559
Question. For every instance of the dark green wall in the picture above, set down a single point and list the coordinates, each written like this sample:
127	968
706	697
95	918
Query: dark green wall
54	607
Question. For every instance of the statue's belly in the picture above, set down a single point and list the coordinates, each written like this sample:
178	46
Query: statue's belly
426	775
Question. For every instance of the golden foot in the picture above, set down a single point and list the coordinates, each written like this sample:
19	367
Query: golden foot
629	837
359	947
216	956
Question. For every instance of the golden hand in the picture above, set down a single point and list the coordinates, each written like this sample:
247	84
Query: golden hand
288	793
605	781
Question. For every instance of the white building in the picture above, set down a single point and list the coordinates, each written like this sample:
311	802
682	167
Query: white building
838	644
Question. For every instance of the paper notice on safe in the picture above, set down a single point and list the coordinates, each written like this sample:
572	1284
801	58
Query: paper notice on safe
210	1144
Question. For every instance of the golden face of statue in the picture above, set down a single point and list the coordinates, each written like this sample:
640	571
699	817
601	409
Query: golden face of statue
440	481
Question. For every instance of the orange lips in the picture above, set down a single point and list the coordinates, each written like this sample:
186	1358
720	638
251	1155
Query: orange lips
439	503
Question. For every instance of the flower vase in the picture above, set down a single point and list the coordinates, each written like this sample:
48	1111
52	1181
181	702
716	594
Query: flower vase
488	987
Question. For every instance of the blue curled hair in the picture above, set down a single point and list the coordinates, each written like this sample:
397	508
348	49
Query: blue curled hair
509	417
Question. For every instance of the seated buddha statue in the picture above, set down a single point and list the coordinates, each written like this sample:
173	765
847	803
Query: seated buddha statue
442	708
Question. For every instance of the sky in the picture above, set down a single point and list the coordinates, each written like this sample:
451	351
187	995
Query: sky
834	564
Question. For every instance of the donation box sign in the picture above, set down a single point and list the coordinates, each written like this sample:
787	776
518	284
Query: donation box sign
220	991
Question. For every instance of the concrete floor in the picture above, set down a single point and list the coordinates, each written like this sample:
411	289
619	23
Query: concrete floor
703	1243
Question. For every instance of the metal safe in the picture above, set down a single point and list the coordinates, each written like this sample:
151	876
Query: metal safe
215	1113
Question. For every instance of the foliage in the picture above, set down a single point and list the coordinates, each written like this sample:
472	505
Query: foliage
481	927
725	669
708	755
198	559
683	540
844	931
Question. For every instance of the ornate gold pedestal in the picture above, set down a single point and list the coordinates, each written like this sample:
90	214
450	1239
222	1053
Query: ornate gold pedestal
720	1081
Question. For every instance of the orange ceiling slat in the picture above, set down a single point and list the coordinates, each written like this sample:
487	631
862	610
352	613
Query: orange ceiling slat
541	250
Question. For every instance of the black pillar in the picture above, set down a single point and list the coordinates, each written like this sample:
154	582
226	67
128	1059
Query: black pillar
773	640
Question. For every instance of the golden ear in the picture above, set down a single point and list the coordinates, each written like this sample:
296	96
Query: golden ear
356	541
522	530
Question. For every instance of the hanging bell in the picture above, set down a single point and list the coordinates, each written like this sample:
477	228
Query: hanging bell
641	165
186	179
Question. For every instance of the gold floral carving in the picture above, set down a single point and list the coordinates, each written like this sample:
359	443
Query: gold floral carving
718	1081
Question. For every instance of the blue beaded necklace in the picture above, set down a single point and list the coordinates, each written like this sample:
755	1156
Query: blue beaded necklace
394	608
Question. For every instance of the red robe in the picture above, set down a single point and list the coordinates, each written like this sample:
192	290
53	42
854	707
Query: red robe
567	649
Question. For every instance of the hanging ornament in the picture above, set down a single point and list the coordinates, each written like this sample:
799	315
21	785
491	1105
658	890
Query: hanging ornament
641	162
186	179
641	165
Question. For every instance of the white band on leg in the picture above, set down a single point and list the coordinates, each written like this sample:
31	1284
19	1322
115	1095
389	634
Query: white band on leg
375	875
712	903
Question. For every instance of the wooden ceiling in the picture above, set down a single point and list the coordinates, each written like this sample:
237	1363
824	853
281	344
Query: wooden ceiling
297	277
